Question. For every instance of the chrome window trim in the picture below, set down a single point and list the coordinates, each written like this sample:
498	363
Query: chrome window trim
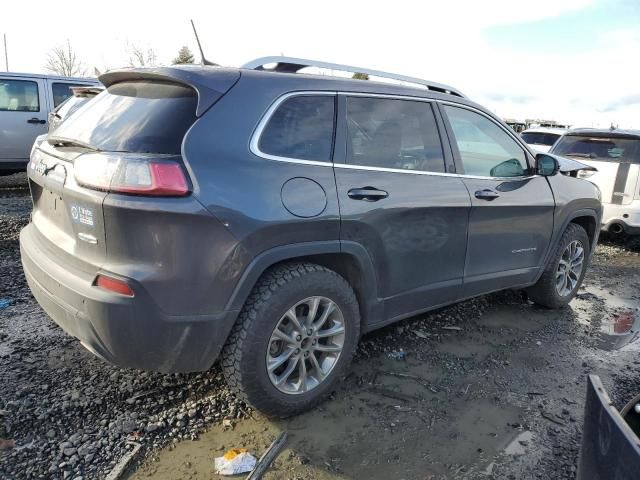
257	133
348	166
255	138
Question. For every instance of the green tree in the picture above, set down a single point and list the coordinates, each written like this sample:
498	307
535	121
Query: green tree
184	56
360	76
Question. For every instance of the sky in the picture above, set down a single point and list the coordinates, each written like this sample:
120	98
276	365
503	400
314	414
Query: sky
574	61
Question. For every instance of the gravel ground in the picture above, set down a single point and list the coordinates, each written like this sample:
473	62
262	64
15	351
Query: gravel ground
489	370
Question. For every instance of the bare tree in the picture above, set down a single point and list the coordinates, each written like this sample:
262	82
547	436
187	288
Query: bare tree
141	58
64	61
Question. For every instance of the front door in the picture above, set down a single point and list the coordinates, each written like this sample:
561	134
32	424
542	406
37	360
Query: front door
397	201
23	116
511	219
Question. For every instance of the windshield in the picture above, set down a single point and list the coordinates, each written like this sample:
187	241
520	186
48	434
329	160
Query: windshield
540	138
134	116
612	149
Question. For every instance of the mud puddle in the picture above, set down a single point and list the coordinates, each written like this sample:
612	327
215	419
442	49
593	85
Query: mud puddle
614	322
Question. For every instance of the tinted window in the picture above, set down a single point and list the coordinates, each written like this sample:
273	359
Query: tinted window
301	127
613	149
539	138
19	96
485	149
391	133
62	91
140	116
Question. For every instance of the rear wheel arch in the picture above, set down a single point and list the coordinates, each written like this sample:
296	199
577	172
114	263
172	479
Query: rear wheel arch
348	259
589	223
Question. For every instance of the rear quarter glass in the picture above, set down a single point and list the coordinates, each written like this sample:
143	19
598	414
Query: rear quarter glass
135	116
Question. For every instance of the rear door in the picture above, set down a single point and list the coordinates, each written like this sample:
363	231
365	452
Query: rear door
399	202
23	116
511	219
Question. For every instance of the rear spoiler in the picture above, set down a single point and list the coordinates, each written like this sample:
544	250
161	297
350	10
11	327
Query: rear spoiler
210	83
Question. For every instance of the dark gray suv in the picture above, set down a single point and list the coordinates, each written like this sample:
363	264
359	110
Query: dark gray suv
270	218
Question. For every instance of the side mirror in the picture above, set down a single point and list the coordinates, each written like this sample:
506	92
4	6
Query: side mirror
546	165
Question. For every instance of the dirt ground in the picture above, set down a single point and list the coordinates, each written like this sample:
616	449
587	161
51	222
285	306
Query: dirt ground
490	388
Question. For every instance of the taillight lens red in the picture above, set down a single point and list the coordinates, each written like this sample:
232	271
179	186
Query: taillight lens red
133	174
114	285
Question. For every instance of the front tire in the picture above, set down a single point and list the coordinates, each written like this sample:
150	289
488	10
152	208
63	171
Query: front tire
293	339
565	271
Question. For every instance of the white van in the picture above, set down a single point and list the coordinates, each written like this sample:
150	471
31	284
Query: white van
616	156
25	102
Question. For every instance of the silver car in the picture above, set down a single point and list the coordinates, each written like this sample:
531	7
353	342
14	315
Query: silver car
25	101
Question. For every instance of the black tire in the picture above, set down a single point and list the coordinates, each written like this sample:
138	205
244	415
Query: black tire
544	292
243	359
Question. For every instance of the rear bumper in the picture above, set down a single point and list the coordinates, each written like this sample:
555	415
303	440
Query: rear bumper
128	332
627	216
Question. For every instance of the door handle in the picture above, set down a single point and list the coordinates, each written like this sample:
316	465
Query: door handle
368	194
486	194
36	120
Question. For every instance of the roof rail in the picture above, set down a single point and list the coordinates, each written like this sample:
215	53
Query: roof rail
293	65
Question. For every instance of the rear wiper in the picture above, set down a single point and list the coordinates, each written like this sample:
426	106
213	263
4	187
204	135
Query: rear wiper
67	142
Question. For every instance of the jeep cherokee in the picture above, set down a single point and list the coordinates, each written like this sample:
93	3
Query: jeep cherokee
269	218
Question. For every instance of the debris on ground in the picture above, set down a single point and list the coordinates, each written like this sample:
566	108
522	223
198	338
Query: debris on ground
268	456
7	444
234	462
398	354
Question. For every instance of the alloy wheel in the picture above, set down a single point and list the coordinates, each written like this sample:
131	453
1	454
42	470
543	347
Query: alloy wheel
305	345
569	268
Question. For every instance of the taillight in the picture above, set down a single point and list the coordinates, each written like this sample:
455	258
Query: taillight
133	174
114	285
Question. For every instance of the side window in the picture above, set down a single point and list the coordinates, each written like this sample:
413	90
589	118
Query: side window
61	91
301	128
485	149
390	133
19	96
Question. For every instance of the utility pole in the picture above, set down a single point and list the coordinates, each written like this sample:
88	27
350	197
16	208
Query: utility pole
6	57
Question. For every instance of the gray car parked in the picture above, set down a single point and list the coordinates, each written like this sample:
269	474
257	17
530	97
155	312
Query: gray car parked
270	218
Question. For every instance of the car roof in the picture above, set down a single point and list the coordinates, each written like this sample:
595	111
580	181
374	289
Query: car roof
50	77
558	131
605	132
206	78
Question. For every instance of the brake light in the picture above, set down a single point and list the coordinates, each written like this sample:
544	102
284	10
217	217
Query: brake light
132	174
114	285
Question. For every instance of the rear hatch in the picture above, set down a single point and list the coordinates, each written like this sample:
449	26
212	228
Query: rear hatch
127	140
616	158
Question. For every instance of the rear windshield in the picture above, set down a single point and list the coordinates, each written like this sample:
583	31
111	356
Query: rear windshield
135	116
540	138
612	149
